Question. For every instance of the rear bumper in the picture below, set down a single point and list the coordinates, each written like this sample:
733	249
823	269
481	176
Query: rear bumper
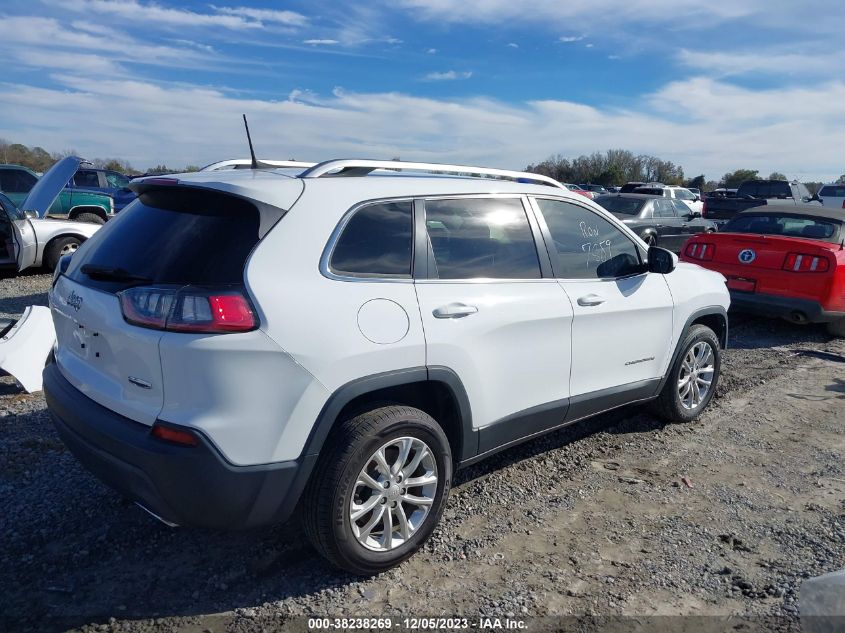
183	485
796	310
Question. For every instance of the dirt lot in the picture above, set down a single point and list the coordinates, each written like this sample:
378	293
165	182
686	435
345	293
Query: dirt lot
621	515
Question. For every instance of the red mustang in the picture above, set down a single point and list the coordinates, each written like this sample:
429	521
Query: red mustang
781	261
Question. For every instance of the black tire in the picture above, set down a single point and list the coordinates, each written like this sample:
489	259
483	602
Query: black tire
668	404
836	328
326	499
93	218
57	248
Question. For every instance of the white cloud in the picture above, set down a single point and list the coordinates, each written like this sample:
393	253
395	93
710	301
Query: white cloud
777	61
137	12
48	40
324	42
449	75
287	18
588	45
560	13
705	125
513	45
432	51
571	38
77	62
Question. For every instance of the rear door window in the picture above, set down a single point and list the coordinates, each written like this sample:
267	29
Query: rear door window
588	245
377	241
664	209
86	178
481	238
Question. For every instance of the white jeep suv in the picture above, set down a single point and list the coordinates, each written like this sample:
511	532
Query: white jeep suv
240	346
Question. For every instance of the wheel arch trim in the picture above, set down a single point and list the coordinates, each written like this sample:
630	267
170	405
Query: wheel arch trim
397	378
716	310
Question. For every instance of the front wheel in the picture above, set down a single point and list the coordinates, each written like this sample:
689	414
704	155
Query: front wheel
378	490
58	248
693	377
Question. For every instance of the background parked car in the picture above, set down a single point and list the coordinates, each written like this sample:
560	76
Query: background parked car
577	189
71	203
755	193
596	189
629	187
833	196
659	221
107	181
673	191
27	240
781	261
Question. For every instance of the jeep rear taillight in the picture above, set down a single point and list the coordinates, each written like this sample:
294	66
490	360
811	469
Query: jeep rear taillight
188	309
803	263
703	251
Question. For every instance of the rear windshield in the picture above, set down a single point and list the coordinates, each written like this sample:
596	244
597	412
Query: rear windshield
173	236
833	191
623	206
807	227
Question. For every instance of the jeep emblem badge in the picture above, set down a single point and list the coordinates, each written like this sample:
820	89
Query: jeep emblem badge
747	256
74	301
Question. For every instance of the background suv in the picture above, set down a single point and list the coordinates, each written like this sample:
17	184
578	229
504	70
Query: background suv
17	181
362	335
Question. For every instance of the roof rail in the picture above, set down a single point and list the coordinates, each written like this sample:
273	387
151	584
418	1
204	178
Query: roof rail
246	163
357	167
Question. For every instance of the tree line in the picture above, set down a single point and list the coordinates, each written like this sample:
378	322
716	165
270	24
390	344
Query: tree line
40	160
611	168
618	166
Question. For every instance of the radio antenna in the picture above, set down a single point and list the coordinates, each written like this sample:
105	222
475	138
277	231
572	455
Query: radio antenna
251	149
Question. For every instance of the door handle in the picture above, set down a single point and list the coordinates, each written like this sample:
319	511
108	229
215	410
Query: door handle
454	311
590	300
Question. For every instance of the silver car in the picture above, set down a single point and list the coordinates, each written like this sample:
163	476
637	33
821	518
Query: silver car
27	238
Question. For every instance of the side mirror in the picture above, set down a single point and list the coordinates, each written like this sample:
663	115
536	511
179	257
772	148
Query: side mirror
815	198
696	199
660	260
32	215
694	214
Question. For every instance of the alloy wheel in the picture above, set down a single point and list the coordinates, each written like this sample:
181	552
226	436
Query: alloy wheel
393	494
696	375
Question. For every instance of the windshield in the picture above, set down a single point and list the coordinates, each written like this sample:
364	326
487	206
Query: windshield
622	206
784	225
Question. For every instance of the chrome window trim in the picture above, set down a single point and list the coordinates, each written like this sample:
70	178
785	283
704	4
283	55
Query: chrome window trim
325	258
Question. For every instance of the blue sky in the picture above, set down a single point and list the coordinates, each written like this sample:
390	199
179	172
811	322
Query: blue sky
713	86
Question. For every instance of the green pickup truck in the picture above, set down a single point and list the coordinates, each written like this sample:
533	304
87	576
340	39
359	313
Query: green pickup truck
72	203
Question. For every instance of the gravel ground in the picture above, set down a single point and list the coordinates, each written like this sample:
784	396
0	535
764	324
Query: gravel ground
619	516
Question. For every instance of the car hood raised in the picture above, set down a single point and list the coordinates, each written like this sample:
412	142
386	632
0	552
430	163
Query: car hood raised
50	185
